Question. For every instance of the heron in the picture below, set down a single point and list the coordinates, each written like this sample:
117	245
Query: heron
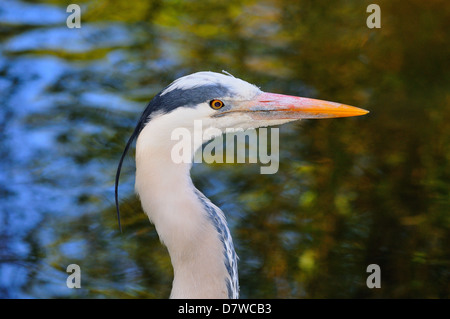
193	229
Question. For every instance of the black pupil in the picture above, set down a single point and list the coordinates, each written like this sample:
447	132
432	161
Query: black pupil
217	104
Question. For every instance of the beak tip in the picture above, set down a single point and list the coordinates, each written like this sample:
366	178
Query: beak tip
364	112
356	111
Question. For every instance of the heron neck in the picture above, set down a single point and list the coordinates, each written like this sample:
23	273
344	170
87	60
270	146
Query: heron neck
192	228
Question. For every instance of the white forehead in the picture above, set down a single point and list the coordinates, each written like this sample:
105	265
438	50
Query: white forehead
240	88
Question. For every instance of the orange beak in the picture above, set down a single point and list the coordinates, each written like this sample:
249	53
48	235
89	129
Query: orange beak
269	106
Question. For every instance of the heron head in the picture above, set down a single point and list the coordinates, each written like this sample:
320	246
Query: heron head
223	101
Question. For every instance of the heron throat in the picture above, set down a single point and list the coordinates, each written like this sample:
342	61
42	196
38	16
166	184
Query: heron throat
193	229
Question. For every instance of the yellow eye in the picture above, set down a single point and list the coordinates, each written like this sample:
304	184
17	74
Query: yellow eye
216	104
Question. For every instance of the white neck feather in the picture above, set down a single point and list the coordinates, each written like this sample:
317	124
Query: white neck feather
171	202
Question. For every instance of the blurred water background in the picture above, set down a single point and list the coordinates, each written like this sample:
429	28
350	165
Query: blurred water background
349	192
